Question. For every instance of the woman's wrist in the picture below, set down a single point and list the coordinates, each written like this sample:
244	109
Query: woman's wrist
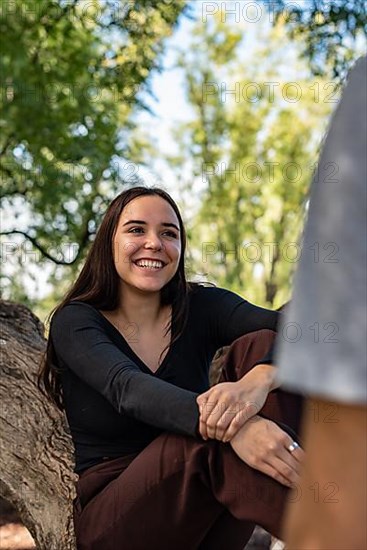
269	372
242	431
266	376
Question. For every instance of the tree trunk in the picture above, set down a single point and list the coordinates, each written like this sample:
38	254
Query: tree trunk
36	449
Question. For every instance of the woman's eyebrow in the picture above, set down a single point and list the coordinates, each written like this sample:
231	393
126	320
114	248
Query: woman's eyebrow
165	224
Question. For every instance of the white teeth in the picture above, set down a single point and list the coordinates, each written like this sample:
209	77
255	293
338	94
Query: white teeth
146	263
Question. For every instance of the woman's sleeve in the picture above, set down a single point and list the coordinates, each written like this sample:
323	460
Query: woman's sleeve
83	345
232	316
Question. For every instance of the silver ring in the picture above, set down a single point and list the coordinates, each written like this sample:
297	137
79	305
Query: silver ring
293	446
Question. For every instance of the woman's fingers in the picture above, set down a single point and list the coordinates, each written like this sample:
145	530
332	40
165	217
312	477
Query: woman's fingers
210	414
226	407
287	471
242	416
287	461
298	453
273	472
202	421
205	404
285	467
221	421
229	418
217	417
263	445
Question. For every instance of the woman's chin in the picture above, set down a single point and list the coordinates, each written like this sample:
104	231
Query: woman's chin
153	286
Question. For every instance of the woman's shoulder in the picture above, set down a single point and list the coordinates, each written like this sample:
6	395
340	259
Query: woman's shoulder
199	289
210	293
76	306
75	311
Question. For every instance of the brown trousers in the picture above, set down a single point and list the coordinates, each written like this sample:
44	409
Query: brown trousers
181	493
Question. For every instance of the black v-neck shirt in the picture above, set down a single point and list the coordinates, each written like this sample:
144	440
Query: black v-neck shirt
115	405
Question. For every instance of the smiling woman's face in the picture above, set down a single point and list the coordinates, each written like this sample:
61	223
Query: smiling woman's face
148	229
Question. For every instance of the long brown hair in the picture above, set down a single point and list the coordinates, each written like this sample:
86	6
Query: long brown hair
98	285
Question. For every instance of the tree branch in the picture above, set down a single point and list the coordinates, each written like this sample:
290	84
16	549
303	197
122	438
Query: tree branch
42	249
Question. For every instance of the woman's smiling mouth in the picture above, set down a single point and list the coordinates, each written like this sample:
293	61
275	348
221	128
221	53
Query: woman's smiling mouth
153	265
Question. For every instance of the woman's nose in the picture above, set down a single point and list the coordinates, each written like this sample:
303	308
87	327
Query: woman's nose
153	241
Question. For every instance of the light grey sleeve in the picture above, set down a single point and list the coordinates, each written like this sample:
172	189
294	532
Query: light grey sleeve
321	348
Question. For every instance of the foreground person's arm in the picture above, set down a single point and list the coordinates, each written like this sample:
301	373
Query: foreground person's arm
333	508
332	371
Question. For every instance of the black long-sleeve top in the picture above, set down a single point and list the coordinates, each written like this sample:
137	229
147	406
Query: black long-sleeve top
115	405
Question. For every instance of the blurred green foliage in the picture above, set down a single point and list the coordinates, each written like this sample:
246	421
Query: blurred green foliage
331	30
71	75
250	148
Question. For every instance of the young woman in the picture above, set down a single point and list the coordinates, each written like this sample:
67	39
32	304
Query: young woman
163	461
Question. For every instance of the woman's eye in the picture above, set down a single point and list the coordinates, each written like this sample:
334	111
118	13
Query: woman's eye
171	234
134	229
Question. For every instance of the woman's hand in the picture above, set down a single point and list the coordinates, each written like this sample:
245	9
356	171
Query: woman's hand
226	407
264	446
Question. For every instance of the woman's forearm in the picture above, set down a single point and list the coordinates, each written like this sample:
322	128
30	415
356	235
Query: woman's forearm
265	374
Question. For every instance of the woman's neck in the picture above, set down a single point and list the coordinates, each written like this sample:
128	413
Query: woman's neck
140	309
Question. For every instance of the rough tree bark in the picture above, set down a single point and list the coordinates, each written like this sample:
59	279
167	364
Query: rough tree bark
36	462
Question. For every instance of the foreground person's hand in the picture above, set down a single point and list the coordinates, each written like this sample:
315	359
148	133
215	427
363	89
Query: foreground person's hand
227	406
264	446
